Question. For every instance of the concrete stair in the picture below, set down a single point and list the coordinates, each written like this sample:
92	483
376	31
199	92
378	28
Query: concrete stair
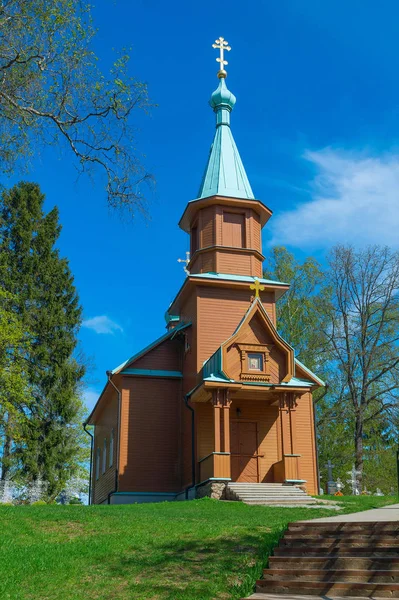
339	560
268	494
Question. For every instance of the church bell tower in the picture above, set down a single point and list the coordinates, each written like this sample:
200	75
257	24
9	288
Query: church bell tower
225	221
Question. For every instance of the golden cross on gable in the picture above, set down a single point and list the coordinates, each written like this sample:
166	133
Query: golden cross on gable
222	45
257	287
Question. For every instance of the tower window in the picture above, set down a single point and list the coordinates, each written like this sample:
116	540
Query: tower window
255	361
194	239
233	230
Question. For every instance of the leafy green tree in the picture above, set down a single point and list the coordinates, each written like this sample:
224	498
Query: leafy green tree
46	302
52	91
14	386
299	319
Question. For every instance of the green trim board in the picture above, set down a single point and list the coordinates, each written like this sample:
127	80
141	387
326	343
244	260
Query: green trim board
153	373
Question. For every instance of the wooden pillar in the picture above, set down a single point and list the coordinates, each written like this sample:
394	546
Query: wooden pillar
226	421
285	424
216	401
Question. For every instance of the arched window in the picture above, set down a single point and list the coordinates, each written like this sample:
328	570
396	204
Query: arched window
111	449
104	456
98	463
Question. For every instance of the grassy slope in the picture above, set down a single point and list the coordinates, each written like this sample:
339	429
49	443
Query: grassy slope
200	550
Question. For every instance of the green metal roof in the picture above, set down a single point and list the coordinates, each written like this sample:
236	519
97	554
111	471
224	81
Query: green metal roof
224	173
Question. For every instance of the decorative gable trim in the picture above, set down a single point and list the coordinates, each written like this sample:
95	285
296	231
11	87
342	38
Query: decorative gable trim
250	375
257	307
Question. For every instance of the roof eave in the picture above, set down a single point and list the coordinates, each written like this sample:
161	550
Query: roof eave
194	205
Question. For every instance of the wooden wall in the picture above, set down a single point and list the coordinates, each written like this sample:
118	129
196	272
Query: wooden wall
304	441
256	333
150	435
107	419
220	311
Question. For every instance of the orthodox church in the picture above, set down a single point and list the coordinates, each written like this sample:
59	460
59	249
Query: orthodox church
220	397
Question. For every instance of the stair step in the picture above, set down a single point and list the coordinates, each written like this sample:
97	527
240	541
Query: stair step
332	527
384	563
267	596
338	588
344	575
366	551
350	542
279	502
267	493
315	536
276	497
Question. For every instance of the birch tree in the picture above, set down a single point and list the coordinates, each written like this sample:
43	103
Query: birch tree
363	334
53	92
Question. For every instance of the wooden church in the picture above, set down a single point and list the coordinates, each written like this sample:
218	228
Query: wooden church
220	397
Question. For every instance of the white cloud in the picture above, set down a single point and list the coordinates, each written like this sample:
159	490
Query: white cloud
355	199
102	324
90	397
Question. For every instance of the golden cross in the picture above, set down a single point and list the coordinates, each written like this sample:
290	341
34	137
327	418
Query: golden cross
257	287
223	45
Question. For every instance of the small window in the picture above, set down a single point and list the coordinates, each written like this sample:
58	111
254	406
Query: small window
98	463
104	456
111	449
194	239
255	362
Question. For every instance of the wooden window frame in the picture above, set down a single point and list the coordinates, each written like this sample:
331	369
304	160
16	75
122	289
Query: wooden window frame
196	238
248	374
243	213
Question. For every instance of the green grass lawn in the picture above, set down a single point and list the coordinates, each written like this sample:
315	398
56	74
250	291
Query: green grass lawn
198	550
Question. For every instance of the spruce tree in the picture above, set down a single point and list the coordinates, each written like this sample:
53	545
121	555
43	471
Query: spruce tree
46	302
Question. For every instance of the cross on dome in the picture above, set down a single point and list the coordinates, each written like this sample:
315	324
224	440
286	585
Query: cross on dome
222	45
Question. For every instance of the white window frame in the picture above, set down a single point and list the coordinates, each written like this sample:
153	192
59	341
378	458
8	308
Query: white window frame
111	448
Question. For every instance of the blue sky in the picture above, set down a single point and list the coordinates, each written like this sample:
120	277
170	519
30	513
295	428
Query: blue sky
316	123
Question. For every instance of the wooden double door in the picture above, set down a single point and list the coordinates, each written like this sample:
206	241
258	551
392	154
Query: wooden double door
244	451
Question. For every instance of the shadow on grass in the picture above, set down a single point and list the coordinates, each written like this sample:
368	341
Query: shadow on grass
218	568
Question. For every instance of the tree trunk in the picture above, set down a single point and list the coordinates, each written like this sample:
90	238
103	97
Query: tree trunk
359	447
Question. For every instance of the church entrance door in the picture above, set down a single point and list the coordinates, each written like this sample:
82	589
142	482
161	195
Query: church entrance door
244	451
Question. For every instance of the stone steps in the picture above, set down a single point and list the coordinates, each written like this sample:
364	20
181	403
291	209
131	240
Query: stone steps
268	494
338	560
